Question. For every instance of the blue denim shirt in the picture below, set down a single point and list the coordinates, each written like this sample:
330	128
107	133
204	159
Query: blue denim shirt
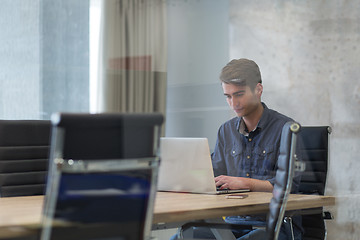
252	155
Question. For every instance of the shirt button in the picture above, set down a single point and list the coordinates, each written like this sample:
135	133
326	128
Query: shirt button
250	139
233	152
264	151
247	174
248	157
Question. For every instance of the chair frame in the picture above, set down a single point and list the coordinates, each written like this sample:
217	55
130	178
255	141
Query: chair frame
292	163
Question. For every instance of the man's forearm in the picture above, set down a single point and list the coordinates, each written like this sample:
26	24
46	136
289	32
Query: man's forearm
257	185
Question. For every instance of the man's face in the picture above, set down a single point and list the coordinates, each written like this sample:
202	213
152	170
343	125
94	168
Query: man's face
241	99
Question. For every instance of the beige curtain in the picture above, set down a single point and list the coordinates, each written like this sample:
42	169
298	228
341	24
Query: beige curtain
133	56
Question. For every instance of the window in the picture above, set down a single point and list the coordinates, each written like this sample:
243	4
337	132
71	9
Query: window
44	58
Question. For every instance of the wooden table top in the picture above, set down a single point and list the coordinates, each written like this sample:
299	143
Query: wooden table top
169	207
175	207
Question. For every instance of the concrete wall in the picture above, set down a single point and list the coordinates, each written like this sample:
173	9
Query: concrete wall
309	55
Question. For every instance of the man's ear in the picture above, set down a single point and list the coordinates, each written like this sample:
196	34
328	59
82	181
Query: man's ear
259	89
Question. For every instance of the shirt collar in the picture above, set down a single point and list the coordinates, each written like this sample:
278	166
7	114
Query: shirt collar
242	127
241	124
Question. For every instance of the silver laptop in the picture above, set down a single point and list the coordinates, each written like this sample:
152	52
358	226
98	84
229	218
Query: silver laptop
186	167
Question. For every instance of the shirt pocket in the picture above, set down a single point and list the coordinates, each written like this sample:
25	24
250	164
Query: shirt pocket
237	163
264	162
235	151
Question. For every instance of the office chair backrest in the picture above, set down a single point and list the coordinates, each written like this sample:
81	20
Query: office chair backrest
315	154
283	180
86	136
102	179
24	151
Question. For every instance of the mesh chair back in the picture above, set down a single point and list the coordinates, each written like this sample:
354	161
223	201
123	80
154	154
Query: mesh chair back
102	179
24	151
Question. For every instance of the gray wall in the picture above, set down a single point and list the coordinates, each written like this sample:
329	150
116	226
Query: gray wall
198	43
309	55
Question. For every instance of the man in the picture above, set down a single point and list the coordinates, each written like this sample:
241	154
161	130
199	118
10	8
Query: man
248	145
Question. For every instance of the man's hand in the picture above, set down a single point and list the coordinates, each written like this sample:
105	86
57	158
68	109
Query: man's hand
243	183
228	182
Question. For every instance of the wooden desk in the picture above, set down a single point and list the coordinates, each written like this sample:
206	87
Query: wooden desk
177	207
169	207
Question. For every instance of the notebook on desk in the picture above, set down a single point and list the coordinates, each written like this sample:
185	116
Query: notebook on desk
186	167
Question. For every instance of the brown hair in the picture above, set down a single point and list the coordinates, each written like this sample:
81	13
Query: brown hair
242	72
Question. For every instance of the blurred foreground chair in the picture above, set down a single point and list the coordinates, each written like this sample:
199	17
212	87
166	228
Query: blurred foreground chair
24	153
315	153
287	164
102	176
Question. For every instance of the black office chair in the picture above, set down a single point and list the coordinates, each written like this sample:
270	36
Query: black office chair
102	176
287	164
315	154
24	151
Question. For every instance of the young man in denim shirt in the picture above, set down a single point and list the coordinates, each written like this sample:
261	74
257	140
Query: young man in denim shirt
247	146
